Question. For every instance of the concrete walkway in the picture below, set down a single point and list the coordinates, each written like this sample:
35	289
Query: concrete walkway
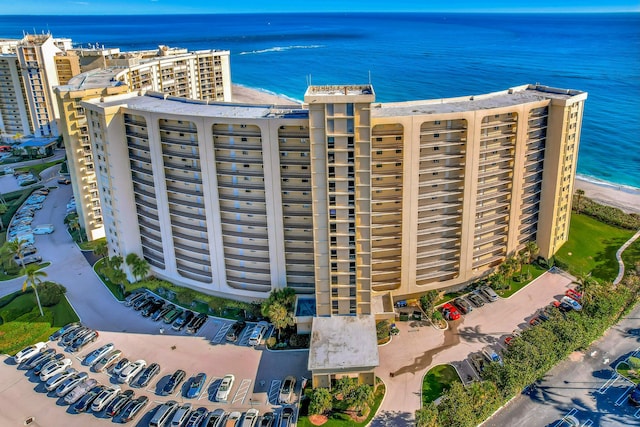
628	243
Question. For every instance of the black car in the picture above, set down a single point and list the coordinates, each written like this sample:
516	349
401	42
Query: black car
196	323
142	302
79	343
148	374
183	320
235	330
38	369
68	337
634	397
67	328
174	381
160	313
267	420
151	308
196	417
287	417
38	357
85	401
133	408
476	300
462	305
118	403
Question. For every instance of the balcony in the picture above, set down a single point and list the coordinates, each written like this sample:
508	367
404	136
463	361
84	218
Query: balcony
194	274
191	248
180	154
187	213
185	177
181	202
175	141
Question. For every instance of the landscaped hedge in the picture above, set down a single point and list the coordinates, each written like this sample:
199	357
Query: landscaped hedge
607	214
533	354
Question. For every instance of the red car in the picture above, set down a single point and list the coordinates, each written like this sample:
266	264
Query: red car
449	312
573	294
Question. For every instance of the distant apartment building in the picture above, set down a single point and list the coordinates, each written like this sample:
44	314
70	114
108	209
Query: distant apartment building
344	199
202	75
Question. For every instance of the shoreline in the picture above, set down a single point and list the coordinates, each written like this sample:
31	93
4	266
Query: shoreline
624	197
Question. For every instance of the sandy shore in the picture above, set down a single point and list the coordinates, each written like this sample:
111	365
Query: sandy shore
625	198
247	95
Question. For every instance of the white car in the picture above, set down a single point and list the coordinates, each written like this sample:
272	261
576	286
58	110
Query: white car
104	398
491	355
96	354
28	352
258	333
571	302
70	383
58	379
51	369
43	229
250	418
131	371
225	387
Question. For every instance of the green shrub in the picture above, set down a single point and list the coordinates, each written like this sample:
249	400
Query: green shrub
634	363
50	293
607	214
382	329
299	341
271	342
321	401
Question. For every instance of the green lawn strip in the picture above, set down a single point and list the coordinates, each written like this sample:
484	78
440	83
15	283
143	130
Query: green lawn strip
514	286
114	288
23	324
449	296
592	246
631	255
623	369
4	276
340	419
90	246
39	167
13	201
436	381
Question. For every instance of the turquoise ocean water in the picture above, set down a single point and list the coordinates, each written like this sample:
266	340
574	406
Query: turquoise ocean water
412	56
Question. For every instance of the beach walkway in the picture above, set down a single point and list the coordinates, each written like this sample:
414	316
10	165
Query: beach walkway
619	256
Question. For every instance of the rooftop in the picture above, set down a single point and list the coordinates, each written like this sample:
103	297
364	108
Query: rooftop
513	96
161	103
97	78
343	343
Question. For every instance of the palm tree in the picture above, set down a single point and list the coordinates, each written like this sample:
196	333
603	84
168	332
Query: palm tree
579	193
587	285
533	249
33	280
280	316
116	262
101	249
15	248
361	398
74	224
140	268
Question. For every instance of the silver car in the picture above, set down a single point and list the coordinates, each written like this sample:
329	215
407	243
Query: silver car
97	354
58	379
80	390
69	384
107	360
104	398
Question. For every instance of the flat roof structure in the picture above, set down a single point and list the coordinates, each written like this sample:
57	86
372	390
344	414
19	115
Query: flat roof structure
343	344
37	142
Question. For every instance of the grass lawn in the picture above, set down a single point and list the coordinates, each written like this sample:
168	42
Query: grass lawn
37	168
623	369
535	270
449	296
592	247
340	419
631	256
4	276
437	381
22	324
90	246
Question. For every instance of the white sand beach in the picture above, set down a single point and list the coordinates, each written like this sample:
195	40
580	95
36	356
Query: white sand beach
619	196
247	95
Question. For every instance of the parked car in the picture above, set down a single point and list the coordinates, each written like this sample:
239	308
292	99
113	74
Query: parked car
131	370
63	180
53	382
491	355
35	360
235	330
162	312
54	368
250	418
181	415
196	323
132	298
634	396
449	312
171	316
105	397
214	418
475	299
286	390
118	403
572	293
488	293
196	417
80	390
106	361
68	337
140	303
174	381
43	229
30	259
147	375
97	354
152	308
573	303
233	419
258	333
267	419
52	358
196	385
28	352
70	383
119	366
84	403
535	321
79	343
462	305
163	414
287	417
69	327
134	407
183	320
225	387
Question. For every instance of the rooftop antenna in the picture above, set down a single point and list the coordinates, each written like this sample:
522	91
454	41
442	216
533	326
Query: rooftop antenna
369	77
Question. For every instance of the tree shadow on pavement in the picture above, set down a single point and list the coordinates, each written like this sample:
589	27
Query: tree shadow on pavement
393	419
474	334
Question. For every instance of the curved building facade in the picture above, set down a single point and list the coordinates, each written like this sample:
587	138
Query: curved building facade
344	198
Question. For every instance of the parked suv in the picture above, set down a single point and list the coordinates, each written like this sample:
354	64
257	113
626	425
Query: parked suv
235	330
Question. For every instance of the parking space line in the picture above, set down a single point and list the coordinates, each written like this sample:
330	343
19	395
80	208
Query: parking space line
202	328
241	394
205	390
244	339
571	412
637	414
623	396
473	370
219	337
609	382
214	385
274	390
587	423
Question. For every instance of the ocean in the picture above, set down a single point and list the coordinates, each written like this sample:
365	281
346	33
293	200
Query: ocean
409	56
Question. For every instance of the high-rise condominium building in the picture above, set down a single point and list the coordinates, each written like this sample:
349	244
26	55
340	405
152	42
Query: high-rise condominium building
203	75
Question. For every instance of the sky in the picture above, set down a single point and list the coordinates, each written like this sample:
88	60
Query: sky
149	7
